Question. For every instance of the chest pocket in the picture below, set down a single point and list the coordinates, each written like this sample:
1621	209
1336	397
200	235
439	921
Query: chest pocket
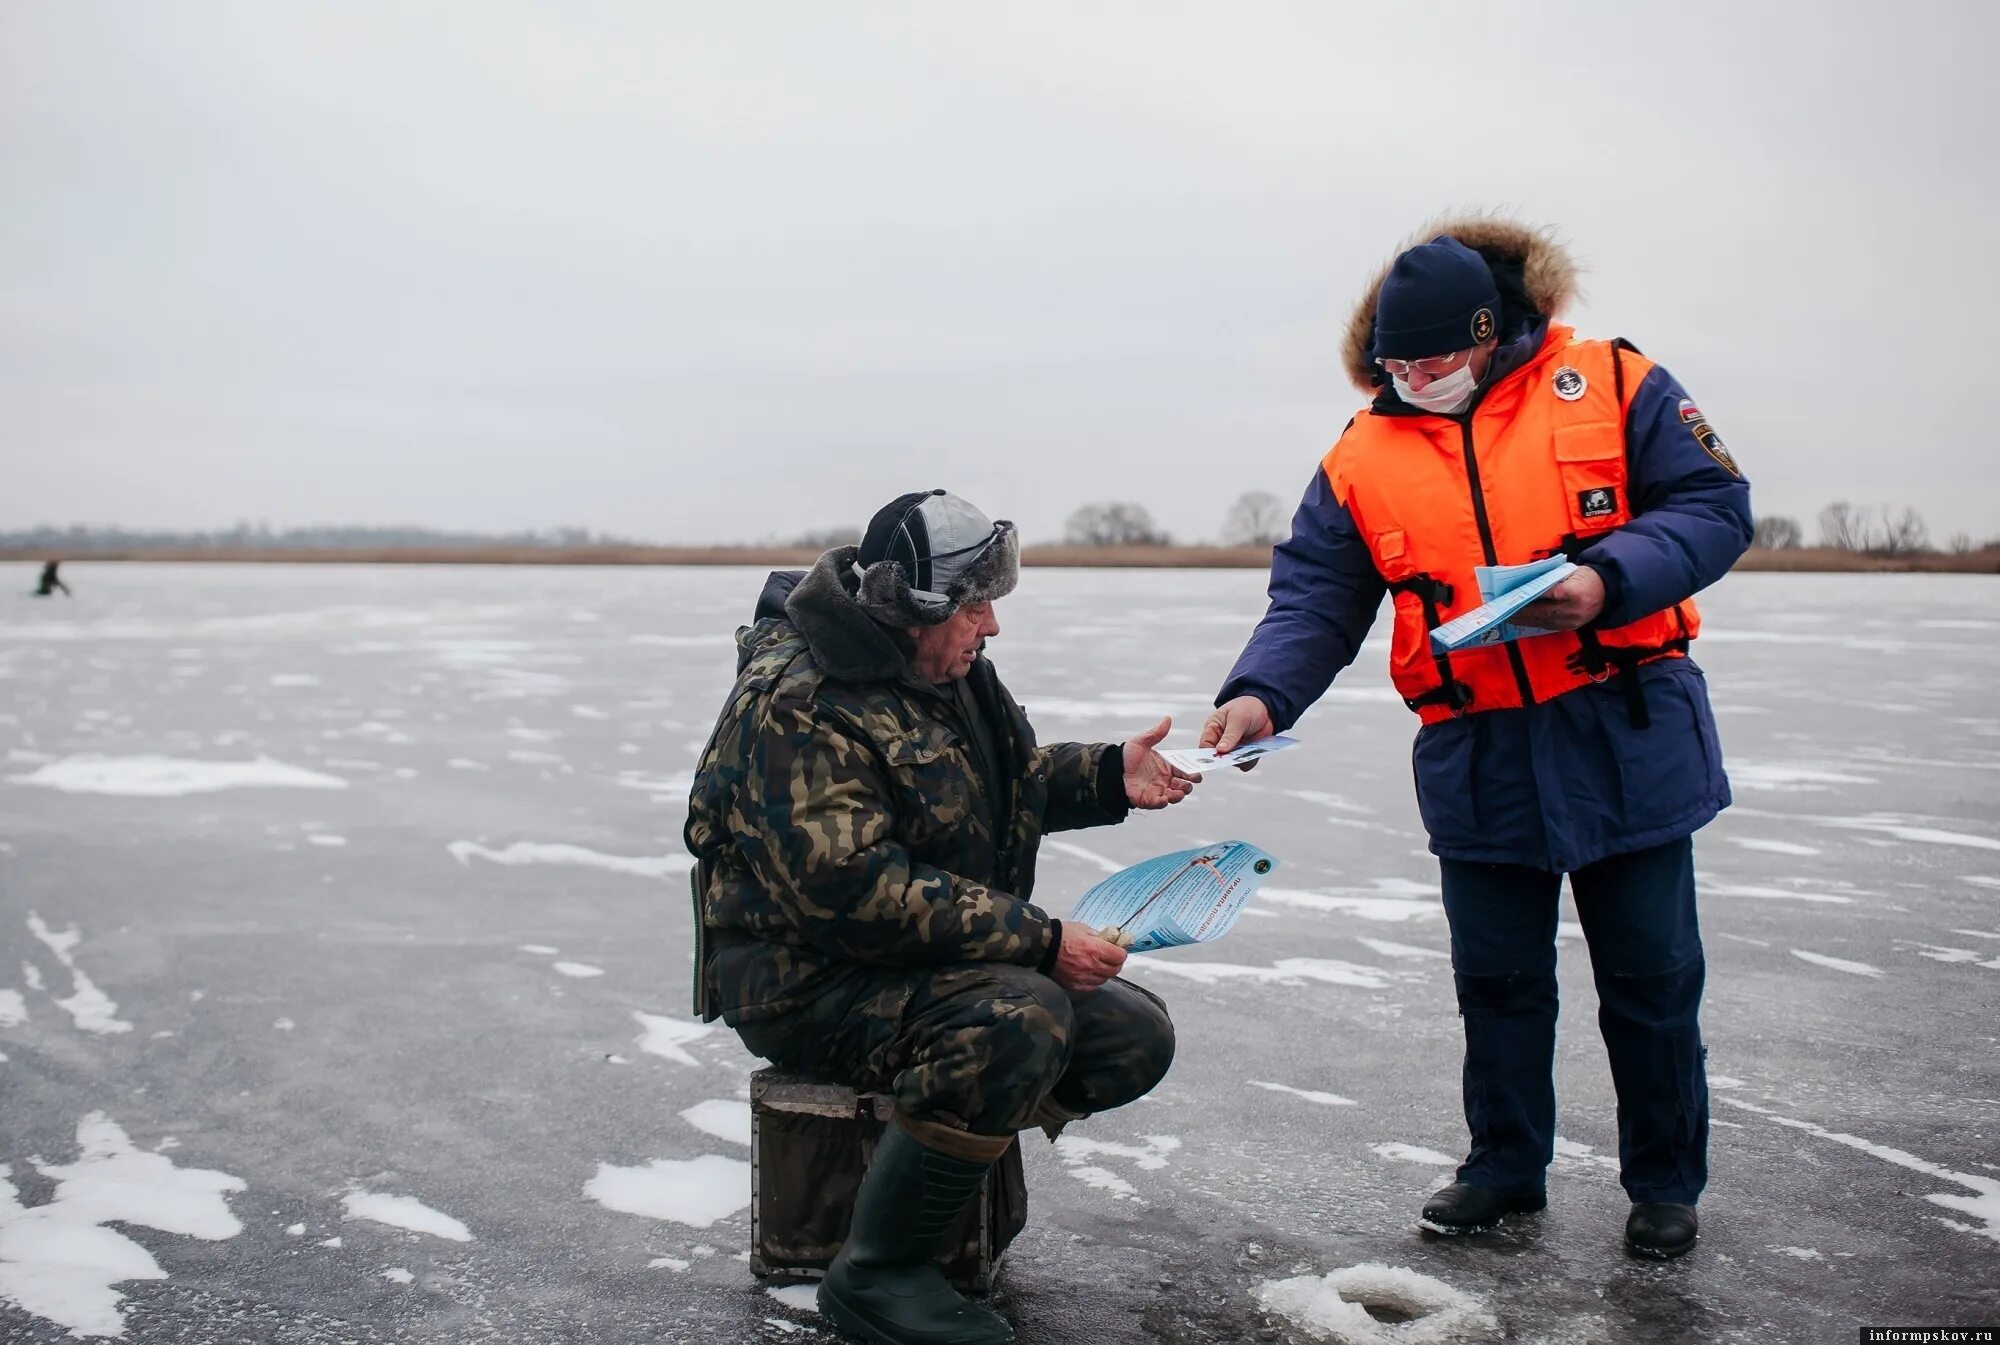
1591	463
931	775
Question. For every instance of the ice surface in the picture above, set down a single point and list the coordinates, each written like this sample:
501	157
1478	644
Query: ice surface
698	1192
404	1212
537	852
58	1262
1335	1307
161	777
1983	1204
721	1118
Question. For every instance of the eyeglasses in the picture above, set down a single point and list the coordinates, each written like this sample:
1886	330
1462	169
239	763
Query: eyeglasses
1430	366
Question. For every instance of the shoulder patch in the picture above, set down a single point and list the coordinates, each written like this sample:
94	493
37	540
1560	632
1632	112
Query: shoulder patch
1690	413
1711	444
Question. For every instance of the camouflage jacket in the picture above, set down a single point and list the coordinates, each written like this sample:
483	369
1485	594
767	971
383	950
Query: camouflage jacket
841	825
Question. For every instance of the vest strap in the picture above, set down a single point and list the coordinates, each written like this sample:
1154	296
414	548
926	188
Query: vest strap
1435	595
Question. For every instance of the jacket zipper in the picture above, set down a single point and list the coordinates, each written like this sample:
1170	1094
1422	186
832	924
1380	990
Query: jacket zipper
1492	558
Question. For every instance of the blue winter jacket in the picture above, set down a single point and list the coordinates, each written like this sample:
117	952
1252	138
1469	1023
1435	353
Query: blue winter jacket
1570	781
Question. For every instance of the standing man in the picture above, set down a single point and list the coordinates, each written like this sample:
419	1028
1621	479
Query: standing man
866	819
1496	437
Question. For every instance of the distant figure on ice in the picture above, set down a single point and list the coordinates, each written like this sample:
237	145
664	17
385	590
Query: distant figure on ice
866	818
1496	436
50	583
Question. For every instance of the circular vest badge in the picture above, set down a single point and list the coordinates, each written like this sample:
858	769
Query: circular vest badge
1570	384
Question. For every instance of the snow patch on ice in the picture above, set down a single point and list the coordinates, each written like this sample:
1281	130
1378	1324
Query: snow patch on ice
540	949
467	764
721	1118
1104	1179
1323	1099
160	777
1756	891
330	1242
1789	778
1899	827
1335	1307
1979	880
399	1275
1285	971
666	1036
294	680
1583	1155
58	1261
1091	857
91	1008
1389	949
1802	1253
326	839
697	1192
1983	1205
538	852
797	1297
1770	846
1836	963
13	1008
404	1212
675	1263
1723	1081
1149	1154
283	1025
1392	900
295	1231
1399	1152
580	970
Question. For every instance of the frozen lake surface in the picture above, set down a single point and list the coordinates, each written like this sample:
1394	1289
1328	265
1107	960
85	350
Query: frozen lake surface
344	960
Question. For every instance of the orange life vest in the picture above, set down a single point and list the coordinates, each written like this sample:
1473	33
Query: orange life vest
1539	470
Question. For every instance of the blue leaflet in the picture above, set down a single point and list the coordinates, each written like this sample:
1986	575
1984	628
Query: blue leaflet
1505	589
1191	896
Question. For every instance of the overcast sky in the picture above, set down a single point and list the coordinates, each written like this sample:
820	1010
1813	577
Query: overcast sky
721	271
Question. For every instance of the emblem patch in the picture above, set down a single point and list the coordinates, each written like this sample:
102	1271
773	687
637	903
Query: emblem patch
1570	384
1597	502
1711	444
1690	413
1482	325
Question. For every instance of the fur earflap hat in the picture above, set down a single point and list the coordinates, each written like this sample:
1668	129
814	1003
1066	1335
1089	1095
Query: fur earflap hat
929	553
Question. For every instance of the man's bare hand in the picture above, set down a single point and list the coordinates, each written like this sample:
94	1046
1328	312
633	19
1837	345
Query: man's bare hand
1574	602
1233	723
1149	781
1086	959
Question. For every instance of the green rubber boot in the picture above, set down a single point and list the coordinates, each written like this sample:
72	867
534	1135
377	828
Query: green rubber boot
885	1286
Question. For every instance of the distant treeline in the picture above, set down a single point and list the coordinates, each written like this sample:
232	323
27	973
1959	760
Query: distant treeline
80	539
1880	531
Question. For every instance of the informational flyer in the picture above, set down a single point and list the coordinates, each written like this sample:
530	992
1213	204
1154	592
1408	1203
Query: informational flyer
1504	590
1191	896
1195	760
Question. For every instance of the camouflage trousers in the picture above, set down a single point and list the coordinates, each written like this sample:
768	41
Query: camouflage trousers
976	1046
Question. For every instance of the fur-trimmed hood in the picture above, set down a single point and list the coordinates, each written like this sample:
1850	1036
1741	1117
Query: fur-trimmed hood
848	644
1535	272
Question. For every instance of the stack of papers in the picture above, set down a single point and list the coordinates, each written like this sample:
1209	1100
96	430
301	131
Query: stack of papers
1191	896
1503	591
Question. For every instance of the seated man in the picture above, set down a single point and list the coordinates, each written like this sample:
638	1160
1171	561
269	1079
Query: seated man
866	817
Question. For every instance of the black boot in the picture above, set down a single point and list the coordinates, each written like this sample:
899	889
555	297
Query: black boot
1660	1230
886	1286
1465	1208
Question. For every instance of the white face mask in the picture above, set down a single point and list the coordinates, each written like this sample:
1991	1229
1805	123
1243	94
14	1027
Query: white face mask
1445	396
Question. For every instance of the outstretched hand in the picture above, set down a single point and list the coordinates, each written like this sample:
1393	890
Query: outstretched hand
1233	723
1149	781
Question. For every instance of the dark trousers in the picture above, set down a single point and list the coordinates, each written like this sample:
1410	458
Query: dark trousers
1638	916
977	1046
